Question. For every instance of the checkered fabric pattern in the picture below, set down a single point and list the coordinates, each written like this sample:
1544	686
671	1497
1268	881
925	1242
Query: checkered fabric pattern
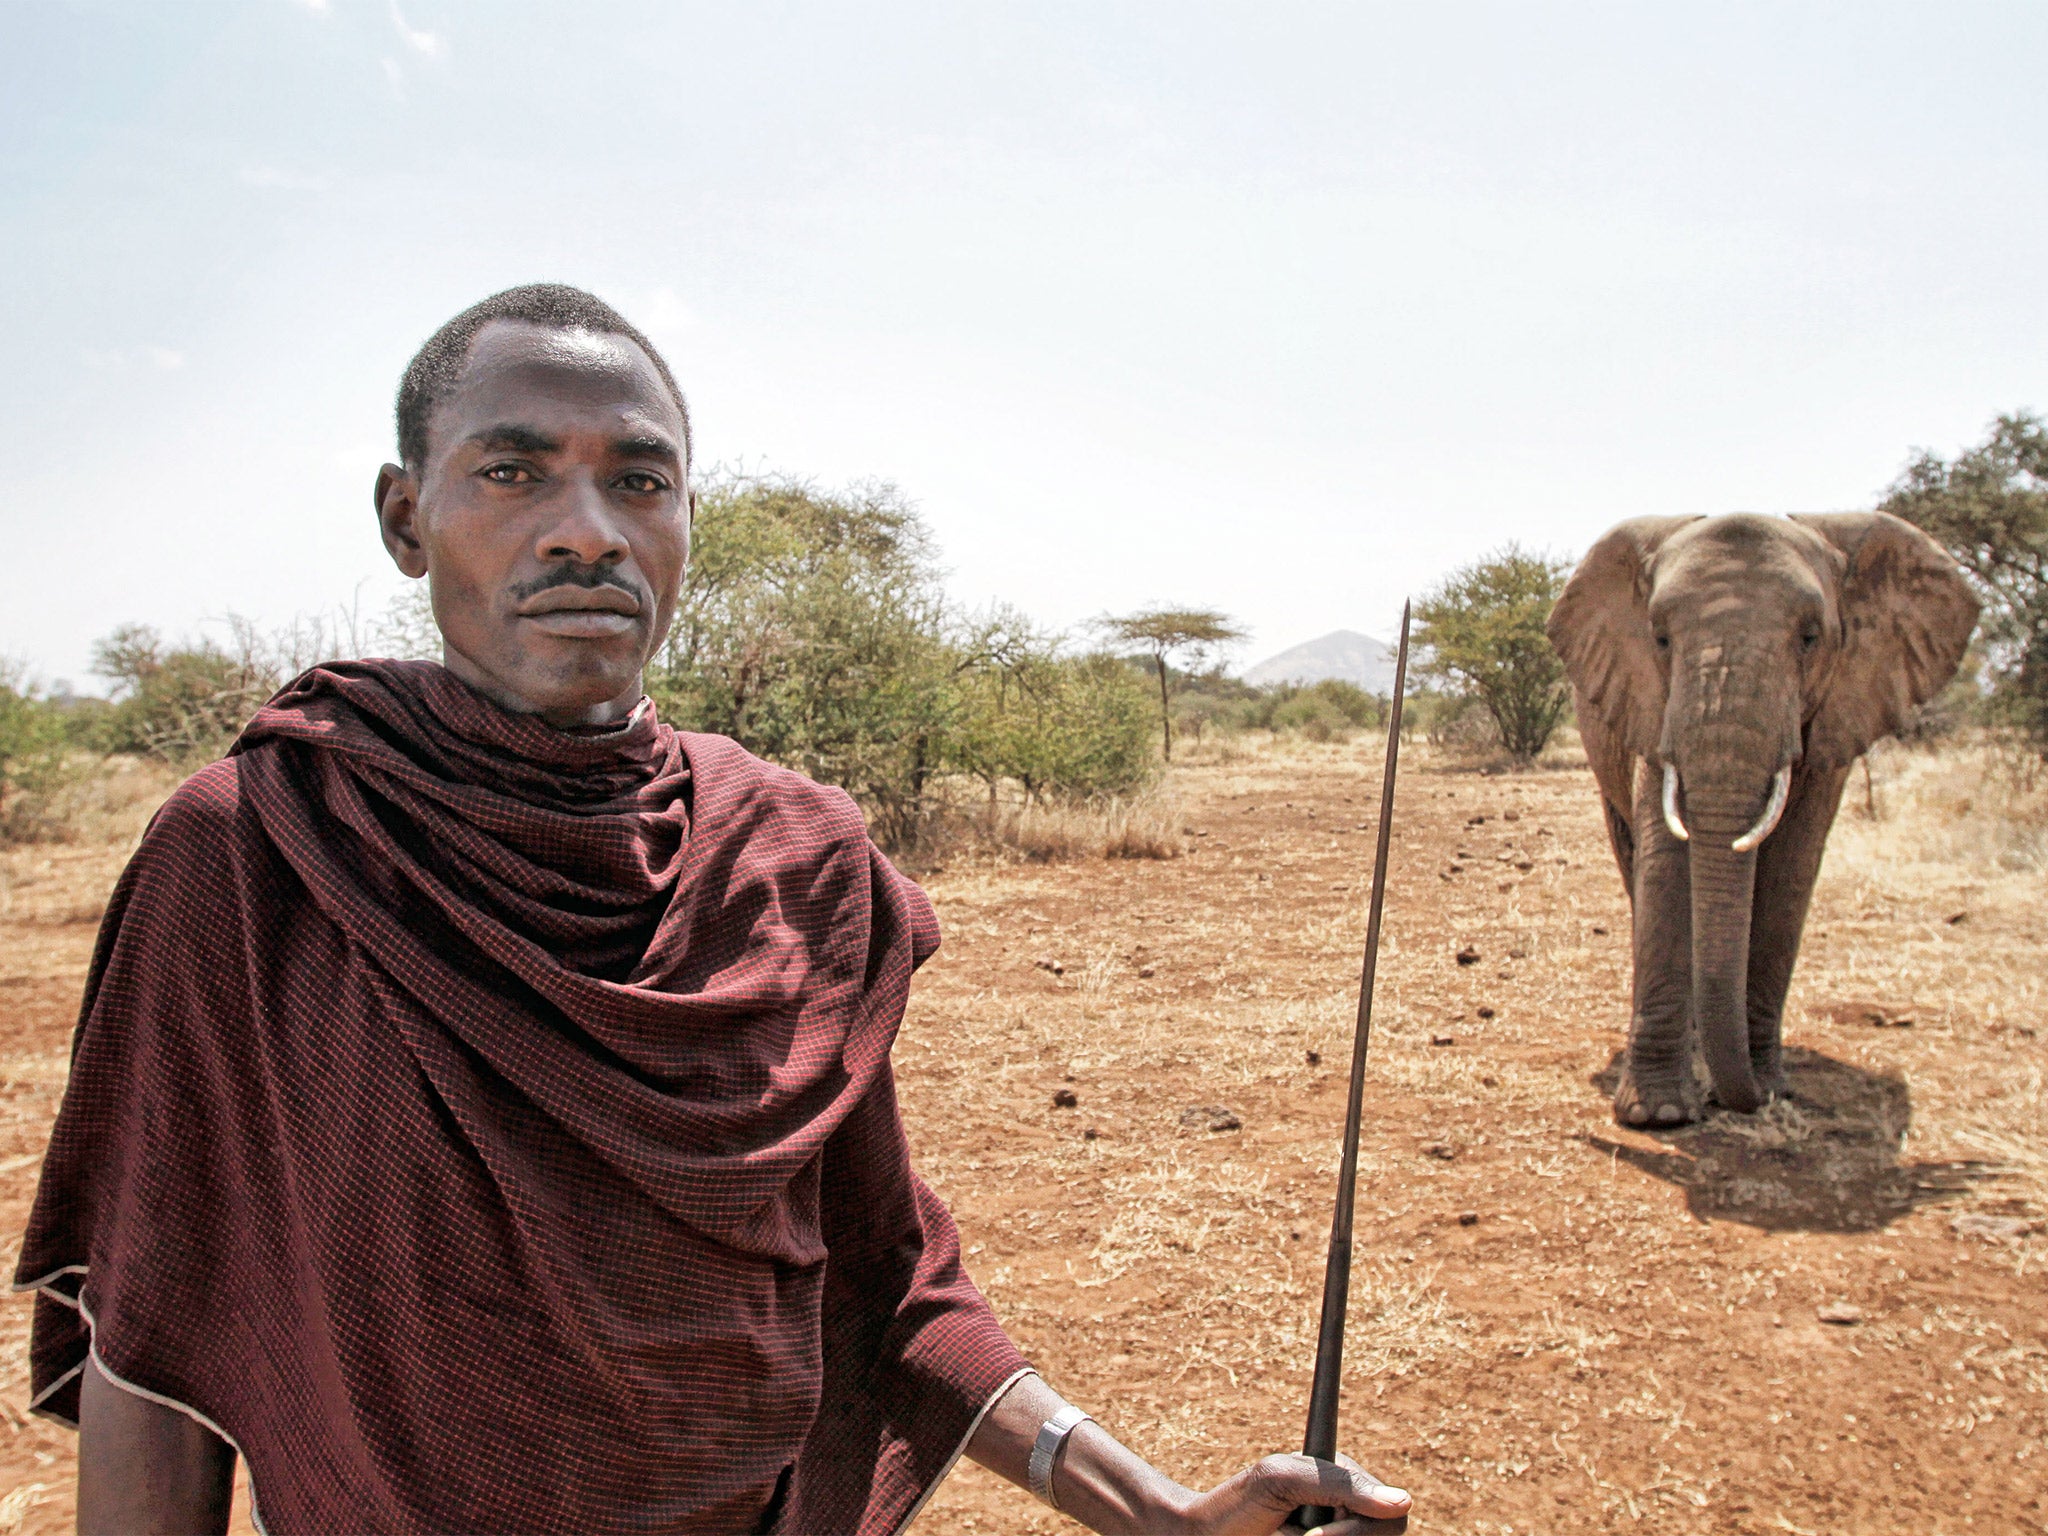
491	1129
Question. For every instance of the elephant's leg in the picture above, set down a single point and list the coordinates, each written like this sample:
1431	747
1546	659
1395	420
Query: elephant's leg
1787	865
1658	1084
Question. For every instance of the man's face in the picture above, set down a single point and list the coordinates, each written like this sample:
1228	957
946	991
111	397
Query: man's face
552	518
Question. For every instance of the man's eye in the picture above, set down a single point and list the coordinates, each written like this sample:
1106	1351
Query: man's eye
506	474
639	480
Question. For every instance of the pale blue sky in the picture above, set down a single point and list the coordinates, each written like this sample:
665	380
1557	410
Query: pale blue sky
1284	309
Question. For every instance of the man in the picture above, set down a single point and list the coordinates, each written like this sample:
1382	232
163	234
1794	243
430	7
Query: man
481	1116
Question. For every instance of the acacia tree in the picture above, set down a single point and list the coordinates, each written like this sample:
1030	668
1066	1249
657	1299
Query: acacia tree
1988	507
1481	631
1161	633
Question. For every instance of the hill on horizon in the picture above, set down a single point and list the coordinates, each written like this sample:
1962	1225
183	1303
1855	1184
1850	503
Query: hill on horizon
1343	654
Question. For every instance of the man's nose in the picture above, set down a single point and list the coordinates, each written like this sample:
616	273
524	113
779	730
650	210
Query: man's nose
586	531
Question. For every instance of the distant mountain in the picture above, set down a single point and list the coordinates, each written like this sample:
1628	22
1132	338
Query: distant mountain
1344	654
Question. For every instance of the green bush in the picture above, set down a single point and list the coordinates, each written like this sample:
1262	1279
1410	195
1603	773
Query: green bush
1480	633
813	629
1326	711
1063	727
34	756
1988	507
181	704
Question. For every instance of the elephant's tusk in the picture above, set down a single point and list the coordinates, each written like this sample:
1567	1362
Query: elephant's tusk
1671	805
1781	790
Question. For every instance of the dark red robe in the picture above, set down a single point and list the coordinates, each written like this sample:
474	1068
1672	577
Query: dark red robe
490	1128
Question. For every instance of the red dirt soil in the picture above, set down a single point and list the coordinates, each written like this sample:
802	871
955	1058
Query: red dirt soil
1558	1326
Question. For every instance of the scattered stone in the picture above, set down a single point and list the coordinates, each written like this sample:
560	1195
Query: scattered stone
1992	1229
1468	956
1475	821
1841	1314
1485	1012
1090	1134
1065	1098
1489	1082
1047	963
1295	1235
1597	929
1210	1117
1315	1058
1468	1218
1875	1015
1510	815
1439	1151
1443	1039
1957	917
1518	954
1525	865
1145	973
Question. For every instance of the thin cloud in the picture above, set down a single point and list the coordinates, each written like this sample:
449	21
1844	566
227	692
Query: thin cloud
317	7
165	359
394	76
428	43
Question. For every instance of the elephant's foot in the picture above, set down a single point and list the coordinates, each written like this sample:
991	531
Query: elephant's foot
1661	1096
1769	1072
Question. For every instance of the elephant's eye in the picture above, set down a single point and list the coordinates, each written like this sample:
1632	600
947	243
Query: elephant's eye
1663	642
1809	637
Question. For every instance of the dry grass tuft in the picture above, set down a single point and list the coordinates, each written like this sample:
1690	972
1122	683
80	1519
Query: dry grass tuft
1146	825
2012	1131
1978	802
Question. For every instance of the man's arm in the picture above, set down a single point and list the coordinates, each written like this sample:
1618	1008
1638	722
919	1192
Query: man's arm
147	1470
1115	1491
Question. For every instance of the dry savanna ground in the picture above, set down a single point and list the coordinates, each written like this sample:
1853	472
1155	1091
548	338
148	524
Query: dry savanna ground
1127	1078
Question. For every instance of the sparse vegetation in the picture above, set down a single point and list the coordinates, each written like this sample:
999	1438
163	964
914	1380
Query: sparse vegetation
34	757
814	629
1326	711
1164	633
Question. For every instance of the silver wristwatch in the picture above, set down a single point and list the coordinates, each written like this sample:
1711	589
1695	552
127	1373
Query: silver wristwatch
1045	1450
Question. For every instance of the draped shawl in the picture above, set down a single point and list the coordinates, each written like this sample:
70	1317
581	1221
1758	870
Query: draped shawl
488	1127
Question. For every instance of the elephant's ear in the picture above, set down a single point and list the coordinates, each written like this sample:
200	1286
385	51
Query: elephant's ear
1600	626
1906	615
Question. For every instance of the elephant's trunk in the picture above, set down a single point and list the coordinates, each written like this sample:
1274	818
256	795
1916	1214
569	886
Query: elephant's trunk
1723	882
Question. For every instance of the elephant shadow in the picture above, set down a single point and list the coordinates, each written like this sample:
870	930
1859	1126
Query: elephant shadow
1822	1158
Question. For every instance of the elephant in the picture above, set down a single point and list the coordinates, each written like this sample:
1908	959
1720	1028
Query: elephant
1728	671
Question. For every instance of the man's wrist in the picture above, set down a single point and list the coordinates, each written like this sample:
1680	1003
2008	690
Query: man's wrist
1111	1489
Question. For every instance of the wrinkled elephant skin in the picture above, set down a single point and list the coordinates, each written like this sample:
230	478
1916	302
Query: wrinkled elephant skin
1728	671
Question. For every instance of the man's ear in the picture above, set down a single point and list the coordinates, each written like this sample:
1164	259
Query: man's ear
398	513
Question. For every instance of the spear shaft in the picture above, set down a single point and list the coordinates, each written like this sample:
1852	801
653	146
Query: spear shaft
1321	1440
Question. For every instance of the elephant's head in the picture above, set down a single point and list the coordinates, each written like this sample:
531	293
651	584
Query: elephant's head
1732	654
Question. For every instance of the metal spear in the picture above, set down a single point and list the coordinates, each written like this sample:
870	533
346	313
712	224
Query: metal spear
1321	1440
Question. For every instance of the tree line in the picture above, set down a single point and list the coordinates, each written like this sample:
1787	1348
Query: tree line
813	627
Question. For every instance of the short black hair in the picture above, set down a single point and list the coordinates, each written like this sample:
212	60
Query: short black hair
437	365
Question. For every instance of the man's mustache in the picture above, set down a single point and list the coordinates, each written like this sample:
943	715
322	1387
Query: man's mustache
591	576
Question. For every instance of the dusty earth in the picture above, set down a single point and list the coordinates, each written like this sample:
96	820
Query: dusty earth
1558	1326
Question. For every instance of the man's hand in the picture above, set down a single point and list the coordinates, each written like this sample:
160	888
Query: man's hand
1111	1489
1262	1499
